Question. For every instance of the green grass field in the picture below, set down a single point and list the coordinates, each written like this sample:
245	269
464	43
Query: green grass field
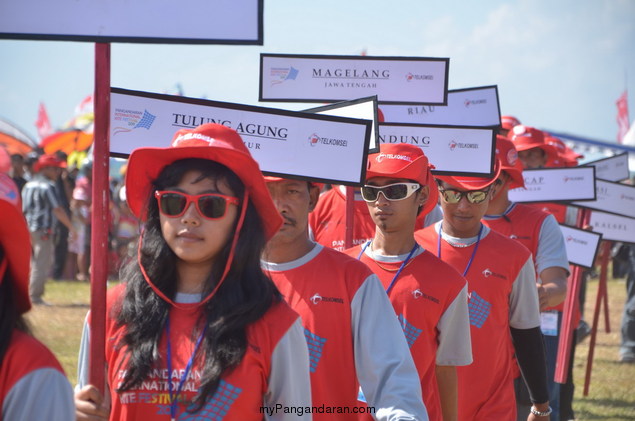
612	389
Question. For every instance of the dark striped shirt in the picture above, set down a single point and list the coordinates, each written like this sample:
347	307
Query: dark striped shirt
39	198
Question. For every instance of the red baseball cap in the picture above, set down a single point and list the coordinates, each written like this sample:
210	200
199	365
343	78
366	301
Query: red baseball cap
15	242
50	160
211	141
508	156
525	138
508	122
402	160
472	183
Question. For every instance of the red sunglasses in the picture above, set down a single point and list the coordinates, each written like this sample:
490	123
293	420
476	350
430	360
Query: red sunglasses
210	205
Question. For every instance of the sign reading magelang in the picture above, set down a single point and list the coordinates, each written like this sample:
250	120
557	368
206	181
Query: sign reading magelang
285	143
556	185
613	227
466	107
364	108
614	168
321	78
612	198
452	150
582	245
156	21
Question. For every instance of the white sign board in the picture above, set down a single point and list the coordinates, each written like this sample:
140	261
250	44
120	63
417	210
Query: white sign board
322	78
466	107
615	198
364	108
556	185
613	227
452	150
582	245
614	168
285	143
156	21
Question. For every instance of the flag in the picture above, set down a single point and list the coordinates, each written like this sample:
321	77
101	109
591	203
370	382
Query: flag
43	123
622	117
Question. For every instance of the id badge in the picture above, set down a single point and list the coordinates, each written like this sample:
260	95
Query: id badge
549	323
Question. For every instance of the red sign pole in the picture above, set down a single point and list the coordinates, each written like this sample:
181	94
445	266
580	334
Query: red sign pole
571	301
100	216
350	216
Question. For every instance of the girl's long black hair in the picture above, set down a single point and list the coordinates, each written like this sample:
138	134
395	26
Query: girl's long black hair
10	318
244	297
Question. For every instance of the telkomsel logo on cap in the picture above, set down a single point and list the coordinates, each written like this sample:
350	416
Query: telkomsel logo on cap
379	158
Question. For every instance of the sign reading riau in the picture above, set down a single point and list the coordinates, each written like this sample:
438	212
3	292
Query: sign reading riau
582	245
321	78
615	198
466	107
364	108
556	185
613	227
285	143
614	168
452	150
157	21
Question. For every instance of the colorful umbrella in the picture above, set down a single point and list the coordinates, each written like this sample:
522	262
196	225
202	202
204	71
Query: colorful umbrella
14	139
67	141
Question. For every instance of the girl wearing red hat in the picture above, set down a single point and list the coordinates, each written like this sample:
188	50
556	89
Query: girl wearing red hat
197	330
32	382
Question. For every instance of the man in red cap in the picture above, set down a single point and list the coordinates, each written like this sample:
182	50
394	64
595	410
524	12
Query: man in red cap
429	296
508	122
41	204
532	149
503	302
353	334
540	233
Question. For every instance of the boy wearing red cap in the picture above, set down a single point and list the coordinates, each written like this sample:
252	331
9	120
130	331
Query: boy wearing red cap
540	233
533	152
503	302
429	296
353	335
32	382
41	205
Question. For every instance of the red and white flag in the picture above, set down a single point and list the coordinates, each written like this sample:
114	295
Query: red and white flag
43	123
622	117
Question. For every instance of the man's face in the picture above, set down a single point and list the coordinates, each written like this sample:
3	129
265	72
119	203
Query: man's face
52	173
533	158
395	215
294	200
463	219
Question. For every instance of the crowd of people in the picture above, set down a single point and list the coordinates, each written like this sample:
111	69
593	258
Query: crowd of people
240	299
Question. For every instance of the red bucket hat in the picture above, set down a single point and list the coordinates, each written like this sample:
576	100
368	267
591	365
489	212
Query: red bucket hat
15	242
525	138
472	183
567	157
214	142
50	160
508	122
508	156
402	160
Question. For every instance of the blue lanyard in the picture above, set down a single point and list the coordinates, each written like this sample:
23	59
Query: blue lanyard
469	263
403	264
173	397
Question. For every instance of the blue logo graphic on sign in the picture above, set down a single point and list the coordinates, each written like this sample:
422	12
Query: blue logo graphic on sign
316	345
282	74
218	406
411	332
479	310
146	120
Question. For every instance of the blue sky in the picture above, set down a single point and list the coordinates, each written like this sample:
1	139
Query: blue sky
559	65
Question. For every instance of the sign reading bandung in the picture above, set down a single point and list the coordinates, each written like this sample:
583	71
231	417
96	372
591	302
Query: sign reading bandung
613	227
452	150
582	245
556	185
613	198
322	78
364	108
614	168
466	107
164	21
285	143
